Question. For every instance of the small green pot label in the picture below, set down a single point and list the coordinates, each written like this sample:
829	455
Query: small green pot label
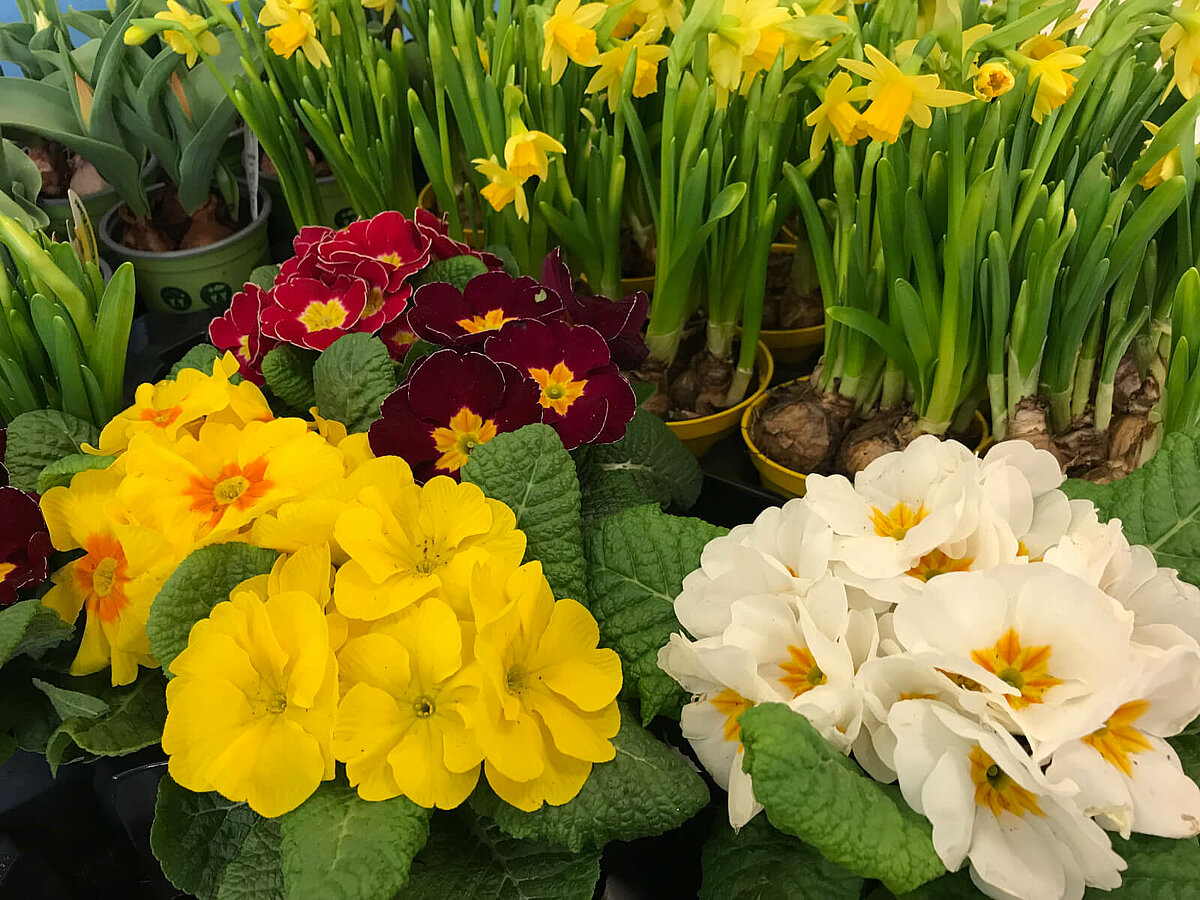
216	293
176	298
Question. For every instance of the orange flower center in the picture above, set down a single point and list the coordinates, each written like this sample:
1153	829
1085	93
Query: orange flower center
935	563
731	704
559	388
897	523
1116	740
318	316
1025	668
161	417
235	487
801	672
996	790
101	577
491	320
465	432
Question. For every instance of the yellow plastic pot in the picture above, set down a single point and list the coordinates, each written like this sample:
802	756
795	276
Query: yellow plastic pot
790	345
698	435
428	202
789	482
637	283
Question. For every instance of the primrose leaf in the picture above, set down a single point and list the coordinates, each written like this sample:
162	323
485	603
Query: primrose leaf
288	372
42	437
132	719
201	357
264	276
351	380
69	703
28	628
457	270
60	473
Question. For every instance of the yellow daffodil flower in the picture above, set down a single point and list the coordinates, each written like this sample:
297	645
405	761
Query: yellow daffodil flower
250	710
568	34
116	579
836	116
651	17
896	96
407	542
612	68
1048	60
198	39
386	7
292	28
1167	167
549	695
994	79
747	36
1181	46
525	152
504	187
403	723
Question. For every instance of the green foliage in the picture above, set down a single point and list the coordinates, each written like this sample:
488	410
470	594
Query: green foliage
60	473
351	380
112	721
646	789
30	629
264	276
201	357
457	270
529	470
288	372
38	439
199	583
339	845
637	560
813	792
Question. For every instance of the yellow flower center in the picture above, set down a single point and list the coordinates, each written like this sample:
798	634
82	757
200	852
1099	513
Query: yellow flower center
104	576
423	707
1025	668
897	523
430	557
996	790
5	568
994	80
491	320
559	389
243	349
235	486
515	680
465	432
229	489
1116	740
318	316
935	563
374	301
801	672
731	704
277	704
100	577
161	417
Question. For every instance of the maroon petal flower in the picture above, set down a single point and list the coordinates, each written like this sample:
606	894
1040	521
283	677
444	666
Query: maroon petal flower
240	330
388	240
442	246
441	314
308	313
618	321
398	336
24	543
451	403
582	394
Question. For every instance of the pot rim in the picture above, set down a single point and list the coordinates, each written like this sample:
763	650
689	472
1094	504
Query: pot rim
264	211
764	367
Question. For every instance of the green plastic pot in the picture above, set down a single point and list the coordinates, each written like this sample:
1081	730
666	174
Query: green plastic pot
281	229
182	281
58	210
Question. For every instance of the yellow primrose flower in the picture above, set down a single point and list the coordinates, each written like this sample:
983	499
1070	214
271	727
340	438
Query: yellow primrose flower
213	485
504	187
403	726
549	695
525	152
568	34
1167	167
116	579
250	710
994	79
406	542
1048	60
896	96
197	33
734	48
1181	45
387	7
835	115
612	68
292	28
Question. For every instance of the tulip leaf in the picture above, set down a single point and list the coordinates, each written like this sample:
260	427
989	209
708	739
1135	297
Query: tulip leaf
647	789
529	470
1158	505
336	844
213	848
649	464
762	863
199	583
42	437
60	473
28	628
471	859
636	563
813	792
288	372
351	380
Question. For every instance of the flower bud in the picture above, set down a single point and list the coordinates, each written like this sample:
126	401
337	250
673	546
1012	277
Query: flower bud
993	80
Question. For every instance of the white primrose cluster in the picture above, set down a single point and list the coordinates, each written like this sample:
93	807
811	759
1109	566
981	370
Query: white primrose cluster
962	627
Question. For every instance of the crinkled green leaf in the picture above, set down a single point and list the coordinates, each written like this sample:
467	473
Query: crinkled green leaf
457	270
338	845
1158	505
134	719
69	703
813	792
351	380
529	470
201	357
264	276
60	473
28	628
647	789
637	560
288	372
1159	868
42	437
649	464
762	863
199	840
470	859
953	886
199	583
1187	746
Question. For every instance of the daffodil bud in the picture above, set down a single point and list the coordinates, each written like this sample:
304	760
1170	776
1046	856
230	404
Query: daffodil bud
136	35
994	80
40	22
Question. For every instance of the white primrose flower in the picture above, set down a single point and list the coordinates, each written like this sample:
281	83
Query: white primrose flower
1038	643
1129	778
784	550
1028	512
989	805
